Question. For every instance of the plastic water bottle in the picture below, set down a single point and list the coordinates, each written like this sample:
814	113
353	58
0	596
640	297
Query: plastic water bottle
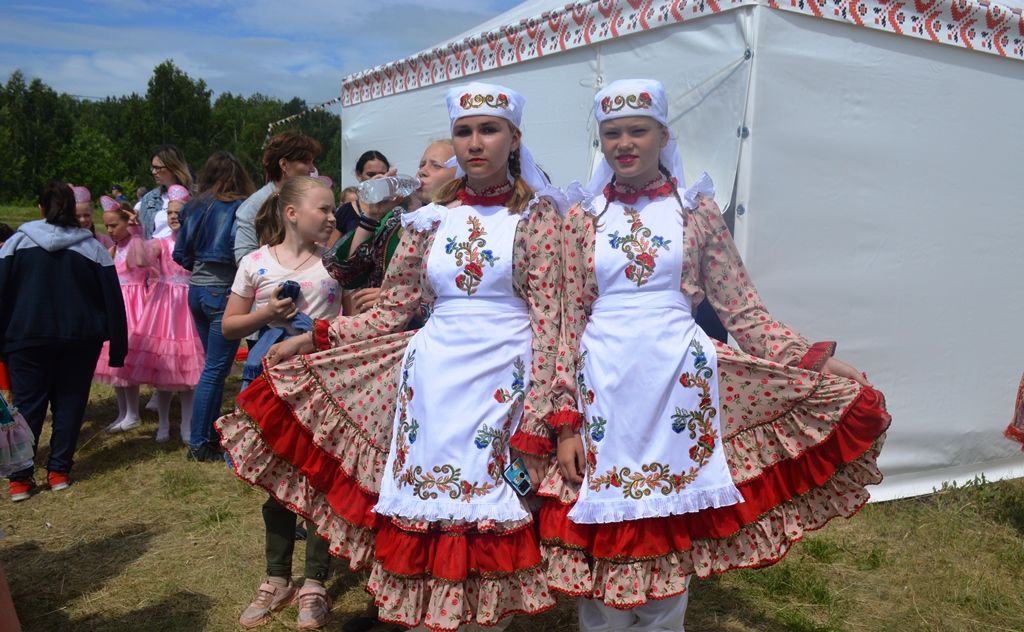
380	189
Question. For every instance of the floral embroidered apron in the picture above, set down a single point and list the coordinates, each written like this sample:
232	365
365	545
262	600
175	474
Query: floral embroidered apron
464	378
647	377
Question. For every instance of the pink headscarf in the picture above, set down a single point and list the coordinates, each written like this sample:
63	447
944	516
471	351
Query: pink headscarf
109	204
82	194
177	193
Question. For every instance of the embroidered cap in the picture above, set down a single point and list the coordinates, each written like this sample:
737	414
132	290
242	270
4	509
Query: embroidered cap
632	97
643	97
108	203
178	193
82	194
485	99
488	99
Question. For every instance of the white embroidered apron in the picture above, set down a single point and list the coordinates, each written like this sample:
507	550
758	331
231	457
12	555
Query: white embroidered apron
647	377
464	378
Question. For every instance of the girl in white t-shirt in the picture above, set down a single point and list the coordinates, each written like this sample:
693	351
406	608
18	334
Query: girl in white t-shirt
289	225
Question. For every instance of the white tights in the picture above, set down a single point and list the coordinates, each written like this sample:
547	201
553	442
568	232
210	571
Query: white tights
664	615
163	409
127	402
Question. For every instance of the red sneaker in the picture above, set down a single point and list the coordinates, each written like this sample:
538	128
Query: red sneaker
58	481
21	490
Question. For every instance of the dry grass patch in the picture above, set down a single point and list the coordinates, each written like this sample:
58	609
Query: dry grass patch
144	540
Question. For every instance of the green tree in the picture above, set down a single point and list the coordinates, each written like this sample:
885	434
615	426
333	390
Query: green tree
179	111
90	159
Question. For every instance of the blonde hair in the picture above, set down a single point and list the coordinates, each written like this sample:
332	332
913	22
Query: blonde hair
270	225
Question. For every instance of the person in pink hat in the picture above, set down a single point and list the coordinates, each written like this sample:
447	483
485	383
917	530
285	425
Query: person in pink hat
167	352
122	226
83	213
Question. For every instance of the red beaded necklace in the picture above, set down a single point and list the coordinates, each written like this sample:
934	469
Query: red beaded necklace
628	195
498	195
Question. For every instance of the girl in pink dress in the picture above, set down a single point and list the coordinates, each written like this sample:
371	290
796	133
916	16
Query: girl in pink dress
166	350
83	213
123	228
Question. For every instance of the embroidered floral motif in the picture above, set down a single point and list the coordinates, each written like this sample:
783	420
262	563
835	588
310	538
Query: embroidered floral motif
442	479
640	101
593	430
472	101
498	439
407	428
447	479
641	247
471	256
658	477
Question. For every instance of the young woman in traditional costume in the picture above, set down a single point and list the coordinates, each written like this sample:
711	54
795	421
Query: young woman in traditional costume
689	456
416	490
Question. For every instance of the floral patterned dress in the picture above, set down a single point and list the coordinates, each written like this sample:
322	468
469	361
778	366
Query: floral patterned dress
800	446
393	444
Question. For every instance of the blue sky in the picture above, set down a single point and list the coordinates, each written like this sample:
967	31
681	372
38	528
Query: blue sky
282	48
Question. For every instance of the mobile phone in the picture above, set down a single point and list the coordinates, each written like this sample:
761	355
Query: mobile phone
517	476
288	289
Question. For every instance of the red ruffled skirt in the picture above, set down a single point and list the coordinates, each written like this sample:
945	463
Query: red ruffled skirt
314	433
801	447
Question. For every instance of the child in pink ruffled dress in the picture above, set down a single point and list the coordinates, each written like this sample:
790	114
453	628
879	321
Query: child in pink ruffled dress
165	348
83	213
122	226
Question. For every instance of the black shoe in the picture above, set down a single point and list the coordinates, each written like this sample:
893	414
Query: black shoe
361	623
203	454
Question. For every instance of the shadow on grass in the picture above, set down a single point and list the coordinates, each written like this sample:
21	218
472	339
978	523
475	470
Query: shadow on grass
44	583
180	611
715	606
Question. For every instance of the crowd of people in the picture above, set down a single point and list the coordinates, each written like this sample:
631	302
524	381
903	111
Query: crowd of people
486	393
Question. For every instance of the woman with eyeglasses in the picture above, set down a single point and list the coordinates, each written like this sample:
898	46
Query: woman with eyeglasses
168	166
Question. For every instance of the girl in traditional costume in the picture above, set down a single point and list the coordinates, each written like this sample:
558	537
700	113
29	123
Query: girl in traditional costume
688	456
415	490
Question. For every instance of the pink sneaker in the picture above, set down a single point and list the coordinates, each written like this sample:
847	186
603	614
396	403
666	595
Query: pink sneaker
314	607
269	599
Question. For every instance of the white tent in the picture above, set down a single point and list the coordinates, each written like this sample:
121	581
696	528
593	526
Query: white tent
869	150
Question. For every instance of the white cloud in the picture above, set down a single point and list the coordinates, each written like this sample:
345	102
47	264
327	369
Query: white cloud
268	46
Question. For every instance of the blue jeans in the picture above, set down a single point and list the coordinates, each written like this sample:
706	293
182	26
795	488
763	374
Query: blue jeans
207	306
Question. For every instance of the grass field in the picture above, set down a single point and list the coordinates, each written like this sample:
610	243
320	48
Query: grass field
15	216
144	540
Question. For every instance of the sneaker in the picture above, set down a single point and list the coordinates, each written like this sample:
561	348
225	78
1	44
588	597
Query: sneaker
269	599
314	607
58	481
21	490
163	435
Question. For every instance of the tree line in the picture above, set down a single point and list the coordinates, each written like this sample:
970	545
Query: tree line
46	135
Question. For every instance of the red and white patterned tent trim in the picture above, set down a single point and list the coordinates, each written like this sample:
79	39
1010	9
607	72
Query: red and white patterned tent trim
973	24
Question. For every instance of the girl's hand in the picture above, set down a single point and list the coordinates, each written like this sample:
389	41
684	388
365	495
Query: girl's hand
364	299
280	308
287	349
535	466
837	367
133	218
571	458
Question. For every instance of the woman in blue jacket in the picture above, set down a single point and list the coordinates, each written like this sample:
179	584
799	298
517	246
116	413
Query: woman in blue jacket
205	246
59	300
